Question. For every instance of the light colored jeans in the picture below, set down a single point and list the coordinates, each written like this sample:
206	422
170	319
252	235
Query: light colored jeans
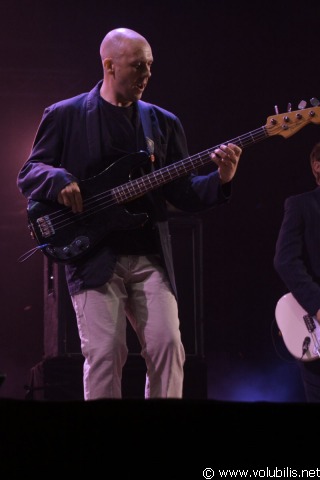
140	291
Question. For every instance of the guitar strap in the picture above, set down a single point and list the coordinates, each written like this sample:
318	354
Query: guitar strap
150	131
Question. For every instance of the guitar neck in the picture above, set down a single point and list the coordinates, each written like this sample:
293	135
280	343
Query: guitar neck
138	187
65	237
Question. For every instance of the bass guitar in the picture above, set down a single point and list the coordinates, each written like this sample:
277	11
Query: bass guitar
300	331
65	237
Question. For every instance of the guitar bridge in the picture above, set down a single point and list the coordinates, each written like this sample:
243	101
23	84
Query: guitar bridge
45	226
311	326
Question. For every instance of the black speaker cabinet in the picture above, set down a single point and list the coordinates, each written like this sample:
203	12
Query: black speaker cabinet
61	338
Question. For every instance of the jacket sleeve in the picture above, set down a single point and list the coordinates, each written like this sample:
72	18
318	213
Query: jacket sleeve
42	177
194	192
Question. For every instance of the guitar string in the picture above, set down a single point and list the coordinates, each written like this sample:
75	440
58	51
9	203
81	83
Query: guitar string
67	216
118	195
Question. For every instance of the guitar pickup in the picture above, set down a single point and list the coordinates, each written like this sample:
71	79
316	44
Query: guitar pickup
45	226
310	324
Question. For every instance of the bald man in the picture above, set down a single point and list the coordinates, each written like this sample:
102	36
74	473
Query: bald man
96	155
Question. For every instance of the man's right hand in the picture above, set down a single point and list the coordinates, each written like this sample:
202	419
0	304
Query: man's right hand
70	196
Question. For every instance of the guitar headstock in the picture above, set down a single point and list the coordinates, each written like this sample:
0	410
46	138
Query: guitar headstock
288	123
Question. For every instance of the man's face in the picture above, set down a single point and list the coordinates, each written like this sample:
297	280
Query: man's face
315	166
132	70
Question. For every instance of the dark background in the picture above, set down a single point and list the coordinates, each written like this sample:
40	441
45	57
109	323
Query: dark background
221	66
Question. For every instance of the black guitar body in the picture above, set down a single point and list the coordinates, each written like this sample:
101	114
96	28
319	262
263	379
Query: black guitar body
65	236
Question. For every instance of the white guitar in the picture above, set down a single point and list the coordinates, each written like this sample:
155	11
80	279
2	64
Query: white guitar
300	331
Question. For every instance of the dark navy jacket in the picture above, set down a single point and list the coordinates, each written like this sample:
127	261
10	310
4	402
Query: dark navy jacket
297	256
67	148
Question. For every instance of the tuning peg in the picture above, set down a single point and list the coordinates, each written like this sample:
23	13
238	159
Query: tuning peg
289	107
276	109
302	105
314	102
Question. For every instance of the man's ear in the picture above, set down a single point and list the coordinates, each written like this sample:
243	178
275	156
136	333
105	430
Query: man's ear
316	170
316	166
108	65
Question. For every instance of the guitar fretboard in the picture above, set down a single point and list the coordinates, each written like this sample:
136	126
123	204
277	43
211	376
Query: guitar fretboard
138	187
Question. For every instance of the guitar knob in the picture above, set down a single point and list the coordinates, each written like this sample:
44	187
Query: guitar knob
302	105
81	243
314	102
66	251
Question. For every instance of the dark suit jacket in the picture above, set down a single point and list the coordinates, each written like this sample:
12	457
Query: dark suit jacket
297	256
67	148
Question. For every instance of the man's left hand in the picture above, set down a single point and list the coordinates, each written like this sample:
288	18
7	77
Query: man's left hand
227	158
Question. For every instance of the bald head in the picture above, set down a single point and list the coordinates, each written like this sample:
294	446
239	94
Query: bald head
116	42
126	60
